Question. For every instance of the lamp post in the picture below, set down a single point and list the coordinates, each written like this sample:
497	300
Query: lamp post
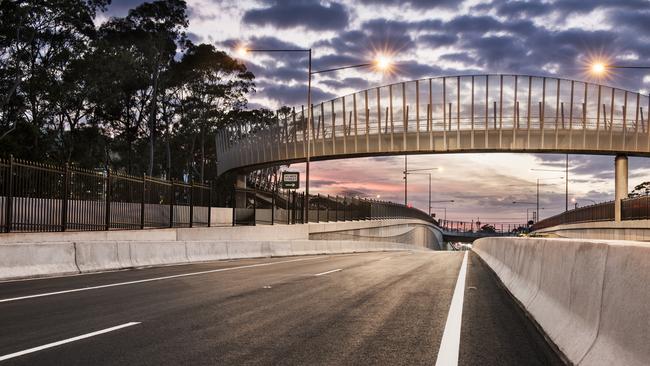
442	208
527	209
566	182
537	204
419	172
381	62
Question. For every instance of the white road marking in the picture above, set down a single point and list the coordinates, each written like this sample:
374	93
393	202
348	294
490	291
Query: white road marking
73	339
450	344
151	279
328	272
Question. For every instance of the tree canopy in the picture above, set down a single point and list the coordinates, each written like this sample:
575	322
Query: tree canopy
132	94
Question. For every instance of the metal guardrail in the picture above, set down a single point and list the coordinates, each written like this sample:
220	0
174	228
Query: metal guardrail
40	197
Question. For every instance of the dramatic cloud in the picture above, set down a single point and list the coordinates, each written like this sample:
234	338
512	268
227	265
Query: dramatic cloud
312	15
433	38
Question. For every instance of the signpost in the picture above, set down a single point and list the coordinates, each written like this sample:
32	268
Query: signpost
290	180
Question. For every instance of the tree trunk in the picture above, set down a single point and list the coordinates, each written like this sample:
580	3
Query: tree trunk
202	155
152	118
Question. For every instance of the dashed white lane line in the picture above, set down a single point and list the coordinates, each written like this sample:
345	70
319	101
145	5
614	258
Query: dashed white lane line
328	272
151	279
450	344
73	339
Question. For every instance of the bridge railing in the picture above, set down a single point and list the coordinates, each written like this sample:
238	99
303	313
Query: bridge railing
483	112
598	212
481	227
268	207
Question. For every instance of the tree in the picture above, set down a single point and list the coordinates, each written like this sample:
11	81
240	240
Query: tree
39	39
642	189
487	228
214	87
140	48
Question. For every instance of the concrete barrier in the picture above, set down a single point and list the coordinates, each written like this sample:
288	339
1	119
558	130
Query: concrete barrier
157	253
202	251
35	260
591	298
102	256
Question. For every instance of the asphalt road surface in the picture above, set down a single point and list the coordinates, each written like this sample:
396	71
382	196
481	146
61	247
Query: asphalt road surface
358	309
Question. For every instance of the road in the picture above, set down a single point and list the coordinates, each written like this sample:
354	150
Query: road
360	309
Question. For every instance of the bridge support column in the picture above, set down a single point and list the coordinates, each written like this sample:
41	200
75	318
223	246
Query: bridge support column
620	171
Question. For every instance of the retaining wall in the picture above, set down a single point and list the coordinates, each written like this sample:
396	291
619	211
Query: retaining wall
638	230
591	297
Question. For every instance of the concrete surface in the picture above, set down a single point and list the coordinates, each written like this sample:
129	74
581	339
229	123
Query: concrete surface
636	230
591	297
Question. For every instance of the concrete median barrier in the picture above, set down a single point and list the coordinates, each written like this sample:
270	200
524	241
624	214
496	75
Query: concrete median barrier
35	260
591	297
157	253
102	256
202	251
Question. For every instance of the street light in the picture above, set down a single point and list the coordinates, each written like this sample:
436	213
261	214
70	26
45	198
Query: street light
566	182
527	209
537	205
600	68
417	171
575	201
442	208
381	63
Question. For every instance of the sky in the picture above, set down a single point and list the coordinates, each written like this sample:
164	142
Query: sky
428	38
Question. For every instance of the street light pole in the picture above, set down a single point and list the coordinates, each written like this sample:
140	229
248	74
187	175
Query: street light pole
405	180
381	63
308	155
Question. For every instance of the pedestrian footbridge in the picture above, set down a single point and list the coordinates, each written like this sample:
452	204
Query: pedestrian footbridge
449	114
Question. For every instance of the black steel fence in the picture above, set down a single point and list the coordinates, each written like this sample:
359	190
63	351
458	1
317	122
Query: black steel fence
39	197
258	207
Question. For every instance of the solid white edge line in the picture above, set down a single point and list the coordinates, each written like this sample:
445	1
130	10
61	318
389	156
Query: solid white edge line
328	272
73	339
152	279
450	344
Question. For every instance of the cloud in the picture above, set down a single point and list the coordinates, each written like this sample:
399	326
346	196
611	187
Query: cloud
312	15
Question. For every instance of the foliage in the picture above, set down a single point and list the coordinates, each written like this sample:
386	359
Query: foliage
642	189
133	93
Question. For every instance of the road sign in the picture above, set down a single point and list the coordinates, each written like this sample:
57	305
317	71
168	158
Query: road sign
290	180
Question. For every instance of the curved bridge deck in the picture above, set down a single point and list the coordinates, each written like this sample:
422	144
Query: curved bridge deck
476	113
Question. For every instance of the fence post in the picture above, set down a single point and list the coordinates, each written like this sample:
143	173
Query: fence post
209	204
336	209
254	207
9	209
142	200
233	203
273	206
108	199
64	201
171	204
318	208
327	211
192	203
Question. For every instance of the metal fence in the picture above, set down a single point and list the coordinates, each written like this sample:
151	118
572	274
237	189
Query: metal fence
259	207
598	212
637	208
39	197
480	227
